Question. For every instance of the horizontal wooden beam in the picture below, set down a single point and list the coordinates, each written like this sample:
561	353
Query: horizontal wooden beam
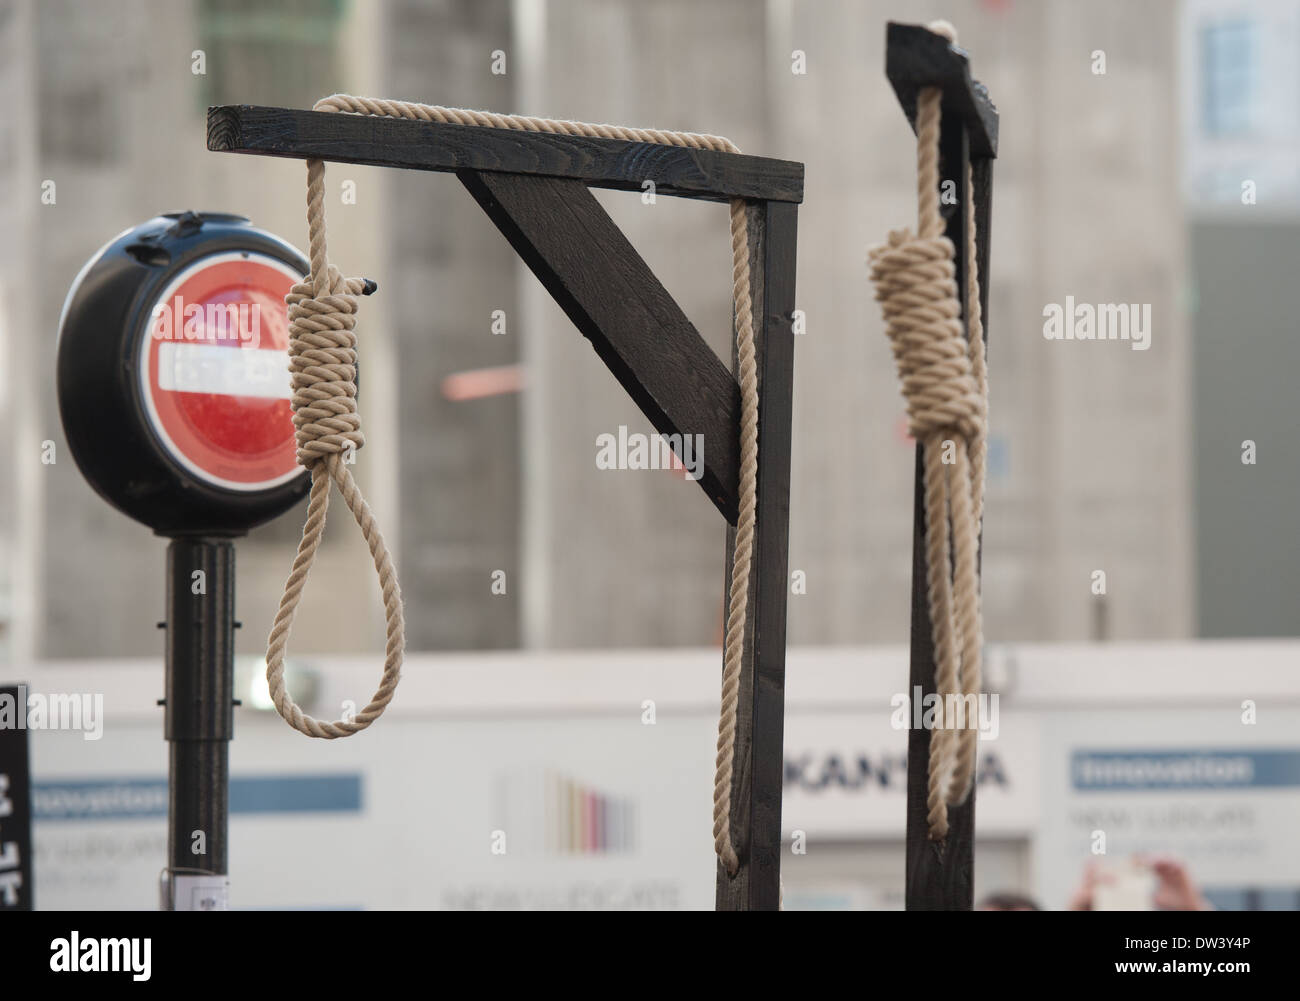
601	163
916	57
596	276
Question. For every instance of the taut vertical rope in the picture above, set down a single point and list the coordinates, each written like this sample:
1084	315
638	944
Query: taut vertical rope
328	311
945	383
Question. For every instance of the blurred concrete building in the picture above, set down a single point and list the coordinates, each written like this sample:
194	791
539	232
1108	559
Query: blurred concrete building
106	119
1241	180
1091	450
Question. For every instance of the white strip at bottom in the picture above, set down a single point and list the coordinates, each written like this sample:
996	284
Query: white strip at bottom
200	893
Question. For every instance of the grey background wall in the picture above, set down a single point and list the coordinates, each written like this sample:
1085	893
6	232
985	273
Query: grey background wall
1096	461
1247	355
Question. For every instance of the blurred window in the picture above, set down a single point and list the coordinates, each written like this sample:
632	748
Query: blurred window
1228	77
284	54
77	118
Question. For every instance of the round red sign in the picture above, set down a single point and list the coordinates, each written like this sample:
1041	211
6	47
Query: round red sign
214	371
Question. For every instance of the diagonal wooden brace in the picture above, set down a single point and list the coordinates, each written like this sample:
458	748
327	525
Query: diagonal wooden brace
596	276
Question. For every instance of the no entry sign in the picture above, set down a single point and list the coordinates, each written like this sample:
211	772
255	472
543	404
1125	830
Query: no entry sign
174	390
173	374
214	371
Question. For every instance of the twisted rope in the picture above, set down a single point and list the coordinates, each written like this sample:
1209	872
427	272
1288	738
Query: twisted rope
323	366
329	421
945	384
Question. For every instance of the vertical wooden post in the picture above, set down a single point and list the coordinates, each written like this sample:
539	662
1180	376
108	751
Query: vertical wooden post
940	876
982	188
760	719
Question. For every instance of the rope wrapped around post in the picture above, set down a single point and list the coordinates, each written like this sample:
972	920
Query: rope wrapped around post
945	384
322	313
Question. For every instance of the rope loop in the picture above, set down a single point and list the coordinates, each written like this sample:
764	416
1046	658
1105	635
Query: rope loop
322	313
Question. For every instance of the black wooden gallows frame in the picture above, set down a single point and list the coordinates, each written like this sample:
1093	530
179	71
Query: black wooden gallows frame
534	186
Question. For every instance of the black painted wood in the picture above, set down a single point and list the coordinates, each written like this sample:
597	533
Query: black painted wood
759	761
982	189
940	875
916	57
733	894
982	183
602	163
596	276
16	890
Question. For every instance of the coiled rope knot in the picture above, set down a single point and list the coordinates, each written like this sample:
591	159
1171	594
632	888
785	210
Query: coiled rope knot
323	366
916	286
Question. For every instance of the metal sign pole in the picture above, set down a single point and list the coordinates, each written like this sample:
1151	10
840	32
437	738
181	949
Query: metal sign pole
199	720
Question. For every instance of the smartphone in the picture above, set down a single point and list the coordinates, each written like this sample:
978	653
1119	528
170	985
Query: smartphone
1127	887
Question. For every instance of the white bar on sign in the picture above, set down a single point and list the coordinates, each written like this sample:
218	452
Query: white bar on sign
227	371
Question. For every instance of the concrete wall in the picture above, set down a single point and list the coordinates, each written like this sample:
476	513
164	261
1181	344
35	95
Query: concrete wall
459	461
118	123
1247	356
1090	440
1090	446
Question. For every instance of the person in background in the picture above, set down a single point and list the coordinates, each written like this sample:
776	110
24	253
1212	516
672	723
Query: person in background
1003	901
1174	888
